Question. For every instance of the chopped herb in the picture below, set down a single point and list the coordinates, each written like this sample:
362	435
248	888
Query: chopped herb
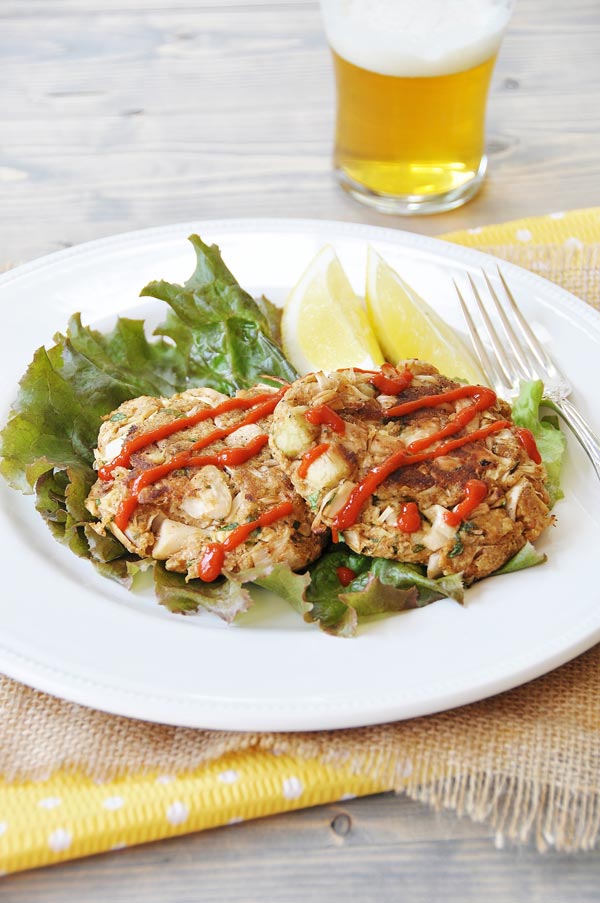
117	417
173	412
418	547
467	526
296	525
313	500
229	526
457	549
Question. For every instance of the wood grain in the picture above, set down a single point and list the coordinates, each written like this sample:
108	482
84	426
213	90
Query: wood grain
379	848
122	114
120	117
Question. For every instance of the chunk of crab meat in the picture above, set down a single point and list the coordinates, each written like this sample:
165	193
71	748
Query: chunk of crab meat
440	532
207	395
512	498
172	536
293	435
113	448
434	565
327	470
211	498
335	500
244	435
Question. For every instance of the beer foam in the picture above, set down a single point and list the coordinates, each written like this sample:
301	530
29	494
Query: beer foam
415	37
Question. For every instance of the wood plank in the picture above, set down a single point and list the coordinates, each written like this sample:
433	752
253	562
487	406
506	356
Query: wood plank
377	848
120	114
156	115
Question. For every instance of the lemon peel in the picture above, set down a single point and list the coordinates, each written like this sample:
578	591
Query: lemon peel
324	324
407	327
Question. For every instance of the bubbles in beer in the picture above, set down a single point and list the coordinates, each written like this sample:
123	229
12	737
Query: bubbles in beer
422	38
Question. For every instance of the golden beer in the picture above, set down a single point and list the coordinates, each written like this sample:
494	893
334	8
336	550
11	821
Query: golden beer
421	136
412	84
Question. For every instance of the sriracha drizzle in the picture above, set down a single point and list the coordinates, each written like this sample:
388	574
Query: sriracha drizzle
475	492
386	381
409	519
259	406
259	402
420	450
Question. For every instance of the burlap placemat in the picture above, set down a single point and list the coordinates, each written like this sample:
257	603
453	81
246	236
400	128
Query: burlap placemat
527	761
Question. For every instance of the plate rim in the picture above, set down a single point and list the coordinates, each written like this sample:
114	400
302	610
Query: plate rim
60	683
292	224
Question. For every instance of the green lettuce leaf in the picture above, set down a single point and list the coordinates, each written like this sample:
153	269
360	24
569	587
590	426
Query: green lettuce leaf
47	445
404	575
285	583
214	334
380	586
68	389
225	336
550	441
225	597
527	557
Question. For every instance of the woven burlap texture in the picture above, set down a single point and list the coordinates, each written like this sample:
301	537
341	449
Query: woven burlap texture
527	761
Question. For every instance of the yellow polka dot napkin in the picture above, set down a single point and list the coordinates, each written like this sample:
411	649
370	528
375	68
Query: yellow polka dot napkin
79	782
71	815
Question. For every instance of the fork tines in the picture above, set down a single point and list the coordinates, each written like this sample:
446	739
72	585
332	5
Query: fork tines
518	354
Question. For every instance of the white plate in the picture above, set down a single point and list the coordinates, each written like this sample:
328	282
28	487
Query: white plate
66	630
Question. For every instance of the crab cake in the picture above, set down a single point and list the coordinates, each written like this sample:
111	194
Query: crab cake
451	484
181	479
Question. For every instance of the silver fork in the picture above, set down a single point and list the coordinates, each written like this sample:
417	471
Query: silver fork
519	355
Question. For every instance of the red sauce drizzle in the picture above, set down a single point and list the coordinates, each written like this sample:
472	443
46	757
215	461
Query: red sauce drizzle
388	382
409	520
229	457
475	492
345	575
322	414
527	440
484	398
211	563
262	405
125	512
261	410
310	456
415	453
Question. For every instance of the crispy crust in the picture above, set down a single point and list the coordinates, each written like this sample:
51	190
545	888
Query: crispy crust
514	511
179	515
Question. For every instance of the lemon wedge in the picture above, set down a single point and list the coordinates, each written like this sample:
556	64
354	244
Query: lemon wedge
407	327
324	324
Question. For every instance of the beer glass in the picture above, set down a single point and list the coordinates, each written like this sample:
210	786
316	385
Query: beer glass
412	82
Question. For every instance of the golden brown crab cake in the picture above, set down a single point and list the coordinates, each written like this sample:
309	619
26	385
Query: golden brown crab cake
328	455
186	505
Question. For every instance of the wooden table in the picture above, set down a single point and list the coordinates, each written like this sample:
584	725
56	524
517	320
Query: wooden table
123	114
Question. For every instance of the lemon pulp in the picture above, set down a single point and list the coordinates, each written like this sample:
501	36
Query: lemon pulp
324	324
407	327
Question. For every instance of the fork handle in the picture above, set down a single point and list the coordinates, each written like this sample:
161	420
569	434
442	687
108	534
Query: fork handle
579	427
